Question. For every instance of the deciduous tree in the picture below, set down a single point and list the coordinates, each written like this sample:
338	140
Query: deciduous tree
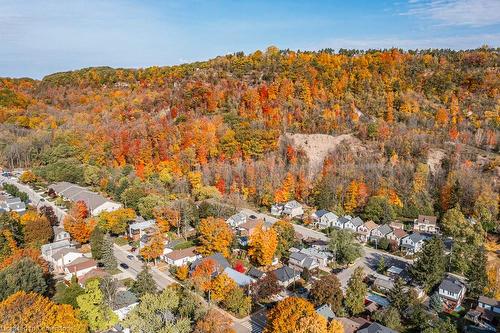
93	310
262	245
214	236
327	291
290	315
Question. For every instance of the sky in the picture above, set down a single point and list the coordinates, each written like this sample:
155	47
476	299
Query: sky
39	37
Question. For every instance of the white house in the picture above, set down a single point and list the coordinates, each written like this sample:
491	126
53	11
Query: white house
324	219
286	275
426	224
79	267
182	257
365	230
241	279
322	257
452	293
277	209
413	243
60	234
237	219
49	249
353	224
301	261
380	232
341	221
293	209
63	257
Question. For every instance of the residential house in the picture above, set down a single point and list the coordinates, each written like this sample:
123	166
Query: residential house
352	325
301	261
15	205
324	219
397	225
124	302
250	226
49	249
341	221
489	304
293	209
326	312
396	235
140	228
63	257
92	274
382	231
383	284
277	209
488	312
452	292
320	245
255	273
237	219
365	230
426	224
353	224
60	234
376	328
413	243
95	202
241	279
286	275
79	267
182	257
322	257
220	262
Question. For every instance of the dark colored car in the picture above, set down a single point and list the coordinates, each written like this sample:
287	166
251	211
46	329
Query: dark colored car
124	265
337	270
130	257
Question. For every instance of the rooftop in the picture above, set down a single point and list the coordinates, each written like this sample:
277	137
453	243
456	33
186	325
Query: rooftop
180	254
240	278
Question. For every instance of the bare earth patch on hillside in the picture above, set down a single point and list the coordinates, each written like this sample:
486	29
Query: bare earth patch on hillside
317	146
434	159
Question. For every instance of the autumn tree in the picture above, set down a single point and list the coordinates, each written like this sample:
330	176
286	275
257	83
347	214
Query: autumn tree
79	229
265	288
202	274
237	302
23	275
37	229
262	245
214	236
49	213
293	314
356	292
327	290
214	322
286	235
154	248
32	312
220	287
116	221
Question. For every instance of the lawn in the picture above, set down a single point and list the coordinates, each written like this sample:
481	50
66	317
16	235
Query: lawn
184	245
120	241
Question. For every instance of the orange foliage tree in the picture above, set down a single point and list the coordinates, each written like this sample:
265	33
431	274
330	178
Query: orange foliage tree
31	312
221	286
154	248
262	245
79	229
214	236
292	315
202	274
214	321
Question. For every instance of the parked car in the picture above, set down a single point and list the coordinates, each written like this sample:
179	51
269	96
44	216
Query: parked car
130	257
123	265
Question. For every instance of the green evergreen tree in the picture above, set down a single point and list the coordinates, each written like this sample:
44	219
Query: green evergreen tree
477	273
24	275
436	303
108	257
96	243
356	292
381	266
144	283
398	296
344	246
429	267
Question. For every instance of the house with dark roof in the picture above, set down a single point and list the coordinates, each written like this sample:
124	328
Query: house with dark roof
322	257
452	292
396	235
324	219
413	243
286	275
376	328
255	273
341	221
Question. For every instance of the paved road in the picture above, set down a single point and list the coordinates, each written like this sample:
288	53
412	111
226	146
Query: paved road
35	198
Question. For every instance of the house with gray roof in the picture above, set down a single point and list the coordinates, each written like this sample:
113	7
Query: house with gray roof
341	221
293	209
124	302
237	219
353	224
381	231
255	273
413	243
49	249
322	257
326	312
18	207
452	292
221	263
301	261
376	328
286	275
241	279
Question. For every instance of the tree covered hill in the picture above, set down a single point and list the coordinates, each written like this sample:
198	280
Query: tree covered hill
216	128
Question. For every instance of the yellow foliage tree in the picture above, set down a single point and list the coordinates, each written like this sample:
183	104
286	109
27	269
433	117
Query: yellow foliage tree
221	286
214	236
28	177
291	314
182	272
116	221
336	326
154	248
262	245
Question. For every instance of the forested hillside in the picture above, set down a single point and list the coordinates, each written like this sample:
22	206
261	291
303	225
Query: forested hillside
425	125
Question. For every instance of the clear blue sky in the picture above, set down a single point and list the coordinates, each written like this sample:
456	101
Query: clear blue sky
42	37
